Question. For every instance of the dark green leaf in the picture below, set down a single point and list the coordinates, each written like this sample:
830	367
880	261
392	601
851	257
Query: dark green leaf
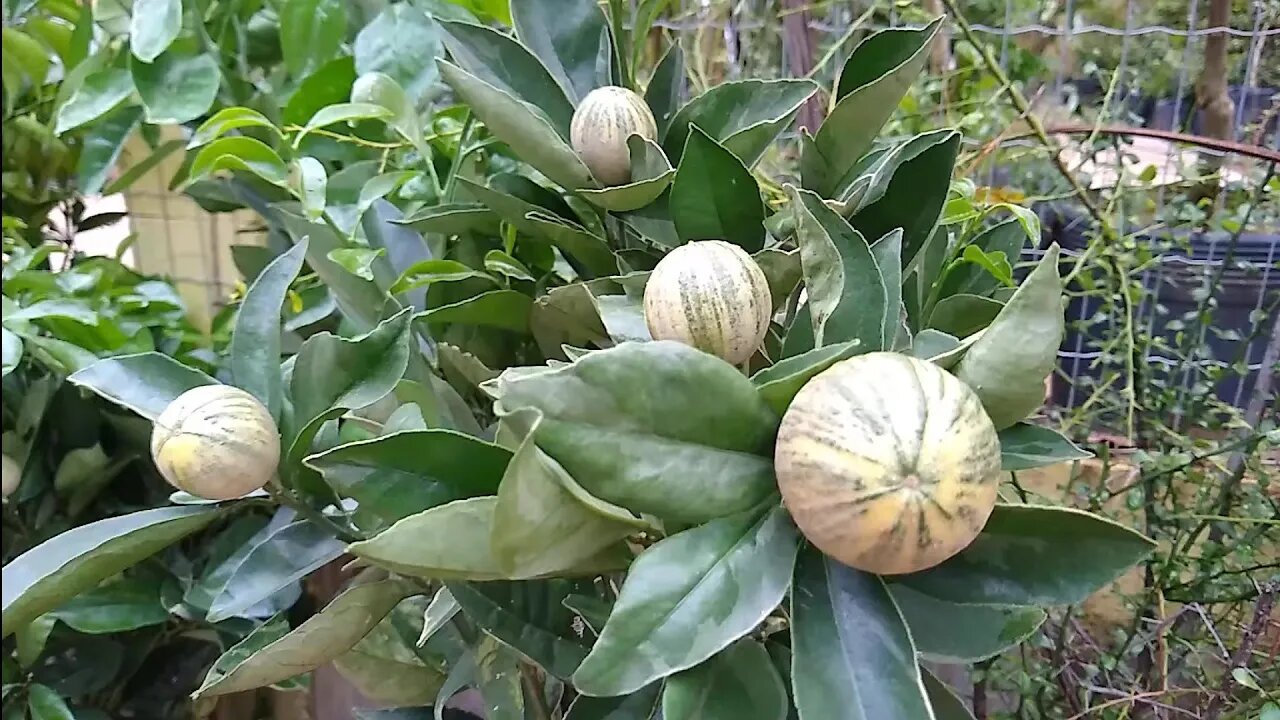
779	383
847	296
454	219
402	42
946	704
1006	238
688	597
952	633
331	371
255	343
1007	365
44	703
175	88
1024	446
102	147
629	424
360	301
566	35
665	88
714	196
963	315
744	116
640	705
145	383
397	475
1029	555
506	309
852	655
529	617
155	25
311	32
58	569
888	254
128	604
329	84
738	682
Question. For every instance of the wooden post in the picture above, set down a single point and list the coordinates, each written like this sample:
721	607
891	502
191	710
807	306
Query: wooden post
1212	98
799	42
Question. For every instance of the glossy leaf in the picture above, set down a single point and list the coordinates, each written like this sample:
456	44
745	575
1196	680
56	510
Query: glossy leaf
1006	238
255	343
962	315
44	703
529	617
454	219
323	637
331	371
738	682
1030	555
101	91
397	475
328	84
523	126
309	181
948	632
343	113
402	42
688	597
852	655
155	25
121	606
226	120
779	383
1007	366
628	424
102	147
871	84
239	153
506	309
58	569
499	61
175	88
435	271
666	87
847	295
311	32
145	383
1024	446
744	116
714	196
566	35
544	519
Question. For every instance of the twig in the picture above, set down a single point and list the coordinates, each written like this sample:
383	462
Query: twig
1261	615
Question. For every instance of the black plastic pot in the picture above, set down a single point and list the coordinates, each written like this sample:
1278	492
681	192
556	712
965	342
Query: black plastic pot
1174	287
1250	105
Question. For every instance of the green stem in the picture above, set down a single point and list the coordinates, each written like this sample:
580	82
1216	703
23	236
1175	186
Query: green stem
463	151
621	40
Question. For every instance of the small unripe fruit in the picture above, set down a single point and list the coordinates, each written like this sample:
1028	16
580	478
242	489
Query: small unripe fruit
216	442
12	475
604	120
711	295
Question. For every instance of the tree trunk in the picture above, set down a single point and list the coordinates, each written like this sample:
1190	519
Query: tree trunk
1212	99
799	43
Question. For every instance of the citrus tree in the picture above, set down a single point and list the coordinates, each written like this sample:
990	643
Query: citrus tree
610	420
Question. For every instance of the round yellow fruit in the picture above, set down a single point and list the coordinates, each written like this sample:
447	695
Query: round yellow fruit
604	120
888	463
709	294
11	476
216	442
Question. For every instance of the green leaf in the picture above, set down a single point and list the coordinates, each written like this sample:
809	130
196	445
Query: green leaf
360	301
782	271
454	219
688	597
1007	365
309	181
58	569
102	147
544	519
523	126
995	263
946	704
568	315
126	179
744	116
1024	446
914	195
155	25
852	655
952	633
650	176
331	371
44	703
872	83
567	36
666	87
504	64
528	616
498	678
255	343
642	704
505	309
311	32
738	682
998	242
928	344
427	272
175	88
226	120
358	260
329	84
101	91
239	153
779	383
963	315
1030	555
847	294
397	475
324	636
128	604
343	113
584	250
403	43
145	383
378	89
714	196
281	554
12	351
384	666
629	424
26	52
888	254
496	261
